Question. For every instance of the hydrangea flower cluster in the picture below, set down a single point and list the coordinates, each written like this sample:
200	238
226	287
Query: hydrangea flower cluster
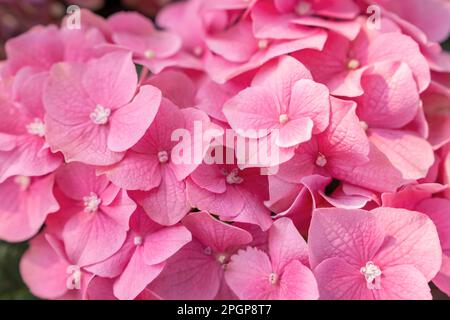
134	155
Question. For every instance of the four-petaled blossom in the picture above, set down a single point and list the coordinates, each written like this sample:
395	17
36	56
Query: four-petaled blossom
96	111
385	253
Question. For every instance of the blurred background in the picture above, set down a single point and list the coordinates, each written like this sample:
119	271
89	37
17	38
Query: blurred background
17	16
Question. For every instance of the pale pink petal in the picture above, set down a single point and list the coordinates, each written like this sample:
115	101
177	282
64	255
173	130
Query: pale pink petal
23	212
221	70
193	144
253	112
175	86
248	274
236	44
166	204
27	156
65	84
310	100
134	31
414	240
91	237
377	174
38	48
46	278
403	282
230	202
280	76
210	178
391	99
348	29
85	143
114	265
409	154
77	181
430	16
297	283
120	208
212	96
129	123
295	132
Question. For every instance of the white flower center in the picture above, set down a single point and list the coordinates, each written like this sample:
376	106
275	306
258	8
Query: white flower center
100	115
23	182
372	275
74	279
163	156
233	177
137	240
302	8
283	118
273	278
263	44
221	258
364	125
321	160
353	64
149	54
91	202
36	127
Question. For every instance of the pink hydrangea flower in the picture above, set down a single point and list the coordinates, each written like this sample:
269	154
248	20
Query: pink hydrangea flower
283	274
23	146
231	193
197	270
382	254
40	48
284	97
93	205
341	63
143	255
93	112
